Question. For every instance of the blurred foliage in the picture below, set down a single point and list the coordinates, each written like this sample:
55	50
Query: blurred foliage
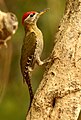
16	98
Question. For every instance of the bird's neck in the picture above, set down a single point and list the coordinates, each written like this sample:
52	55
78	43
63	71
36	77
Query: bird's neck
31	28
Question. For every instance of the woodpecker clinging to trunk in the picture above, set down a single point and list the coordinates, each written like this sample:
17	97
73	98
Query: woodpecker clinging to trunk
32	46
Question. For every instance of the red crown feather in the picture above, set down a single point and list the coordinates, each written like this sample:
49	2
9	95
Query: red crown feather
26	15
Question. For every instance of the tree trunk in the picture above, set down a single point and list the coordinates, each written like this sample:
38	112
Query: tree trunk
59	94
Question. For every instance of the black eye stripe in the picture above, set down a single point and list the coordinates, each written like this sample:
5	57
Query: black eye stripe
31	15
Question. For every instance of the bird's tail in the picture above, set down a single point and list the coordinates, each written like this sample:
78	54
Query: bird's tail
28	82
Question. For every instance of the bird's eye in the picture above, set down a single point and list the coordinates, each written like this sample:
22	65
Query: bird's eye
31	15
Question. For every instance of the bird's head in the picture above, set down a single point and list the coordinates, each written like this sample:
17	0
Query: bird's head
30	18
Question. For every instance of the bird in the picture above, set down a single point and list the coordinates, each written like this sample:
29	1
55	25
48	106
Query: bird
32	47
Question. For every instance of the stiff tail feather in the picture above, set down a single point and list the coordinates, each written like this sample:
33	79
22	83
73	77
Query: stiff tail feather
28	82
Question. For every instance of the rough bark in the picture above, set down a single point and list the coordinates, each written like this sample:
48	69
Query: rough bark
59	94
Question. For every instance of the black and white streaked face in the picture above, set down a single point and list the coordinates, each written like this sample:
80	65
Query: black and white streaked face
32	17
29	17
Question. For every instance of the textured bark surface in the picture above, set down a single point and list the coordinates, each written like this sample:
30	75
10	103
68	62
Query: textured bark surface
59	94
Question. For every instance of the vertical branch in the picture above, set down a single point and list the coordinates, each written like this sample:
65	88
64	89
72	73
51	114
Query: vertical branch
59	94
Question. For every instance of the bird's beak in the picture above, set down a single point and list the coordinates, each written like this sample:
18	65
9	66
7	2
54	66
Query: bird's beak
43	11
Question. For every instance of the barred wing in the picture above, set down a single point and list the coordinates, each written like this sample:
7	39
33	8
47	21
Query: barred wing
27	52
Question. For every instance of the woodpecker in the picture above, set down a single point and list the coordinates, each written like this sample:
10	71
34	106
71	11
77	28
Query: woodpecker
32	47
8	26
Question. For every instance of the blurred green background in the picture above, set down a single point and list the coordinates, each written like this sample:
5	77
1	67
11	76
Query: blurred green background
15	96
